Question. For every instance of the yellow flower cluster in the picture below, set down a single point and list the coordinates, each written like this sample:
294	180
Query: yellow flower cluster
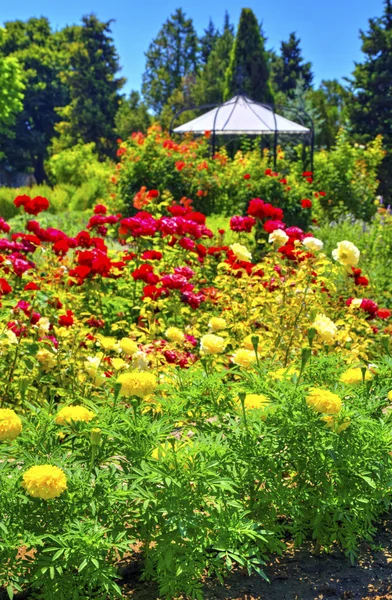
217	324
244	358
354	375
47	359
174	334
324	401
325	328
73	413
128	346
137	383
44	481
256	401
10	424
212	344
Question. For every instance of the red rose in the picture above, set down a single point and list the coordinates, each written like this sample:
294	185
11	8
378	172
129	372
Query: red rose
306	203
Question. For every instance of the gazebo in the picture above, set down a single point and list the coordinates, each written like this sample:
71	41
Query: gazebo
242	116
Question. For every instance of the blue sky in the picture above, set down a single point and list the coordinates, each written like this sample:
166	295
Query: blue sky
329	31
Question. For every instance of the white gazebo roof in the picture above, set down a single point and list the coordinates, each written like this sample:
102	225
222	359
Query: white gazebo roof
241	115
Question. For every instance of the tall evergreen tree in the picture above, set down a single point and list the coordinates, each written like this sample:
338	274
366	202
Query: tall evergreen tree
210	83
36	48
370	112
248	69
172	55
289	67
208	41
90	69
371	109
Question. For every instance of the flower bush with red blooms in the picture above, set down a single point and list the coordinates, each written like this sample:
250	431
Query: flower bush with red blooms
143	347
344	178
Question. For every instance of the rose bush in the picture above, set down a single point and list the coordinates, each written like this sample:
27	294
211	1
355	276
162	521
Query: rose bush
195	401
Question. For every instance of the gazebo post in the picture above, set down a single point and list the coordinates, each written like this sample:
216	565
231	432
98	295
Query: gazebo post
275	149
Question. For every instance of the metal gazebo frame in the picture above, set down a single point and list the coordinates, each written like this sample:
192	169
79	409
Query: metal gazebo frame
299	114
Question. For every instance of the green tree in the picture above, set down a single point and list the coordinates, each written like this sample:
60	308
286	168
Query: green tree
370	111
208	41
248	68
210	83
172	55
330	101
131	116
89	72
289	67
11	90
35	47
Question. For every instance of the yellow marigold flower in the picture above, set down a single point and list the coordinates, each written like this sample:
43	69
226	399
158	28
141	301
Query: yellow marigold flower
44	481
346	254
128	346
118	364
241	252
324	401
212	344
47	359
248	341
137	383
256	401
313	244
10	424
217	324
389	395
325	328
278	237
244	357
284	373
331	423
73	413
174	334
354	375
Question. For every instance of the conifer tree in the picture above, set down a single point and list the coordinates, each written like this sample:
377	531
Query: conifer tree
172	55
289	68
248	70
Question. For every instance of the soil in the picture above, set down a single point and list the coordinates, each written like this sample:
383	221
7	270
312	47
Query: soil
299	575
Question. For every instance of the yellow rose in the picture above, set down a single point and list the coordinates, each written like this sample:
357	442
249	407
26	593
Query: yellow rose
278	237
313	244
217	324
174	334
241	252
325	328
107	343
47	359
244	358
212	344
346	254
128	346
